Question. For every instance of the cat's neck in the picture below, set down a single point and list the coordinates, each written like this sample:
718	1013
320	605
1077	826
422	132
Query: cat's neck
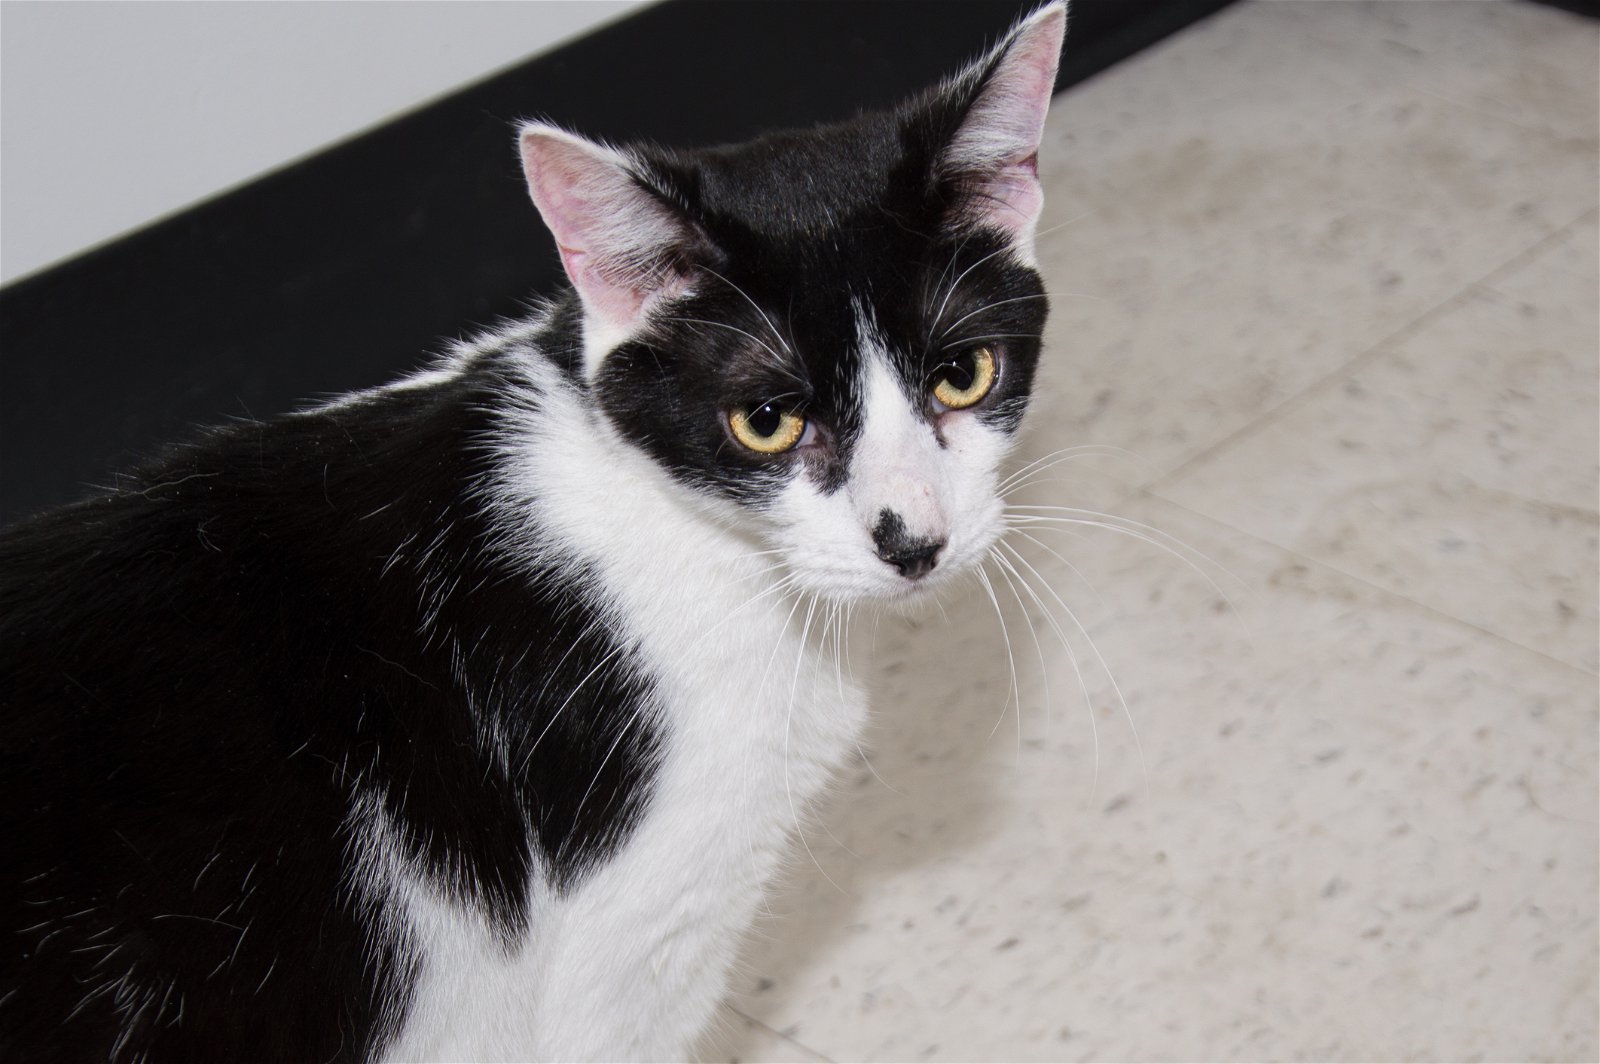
567	482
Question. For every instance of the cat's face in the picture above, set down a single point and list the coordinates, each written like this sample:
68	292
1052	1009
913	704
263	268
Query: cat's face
830	335
858	415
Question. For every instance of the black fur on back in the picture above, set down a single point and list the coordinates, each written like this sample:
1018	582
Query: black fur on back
201	672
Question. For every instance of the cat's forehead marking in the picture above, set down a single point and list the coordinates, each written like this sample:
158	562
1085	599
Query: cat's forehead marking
876	350
869	335
890	402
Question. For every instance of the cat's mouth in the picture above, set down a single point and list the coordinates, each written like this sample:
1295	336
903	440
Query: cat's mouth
912	581
912	594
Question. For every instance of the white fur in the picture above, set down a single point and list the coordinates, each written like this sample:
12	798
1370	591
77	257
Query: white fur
441	369
632	962
426	377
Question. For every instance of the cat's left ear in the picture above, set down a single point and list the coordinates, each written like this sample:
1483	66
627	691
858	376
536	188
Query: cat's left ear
993	156
624	246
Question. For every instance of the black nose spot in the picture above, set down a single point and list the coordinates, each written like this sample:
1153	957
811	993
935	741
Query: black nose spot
914	558
889	530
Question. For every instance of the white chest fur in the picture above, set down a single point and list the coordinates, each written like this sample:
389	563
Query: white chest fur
754	716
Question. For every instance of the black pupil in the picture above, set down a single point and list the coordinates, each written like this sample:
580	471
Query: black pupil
961	371
766	419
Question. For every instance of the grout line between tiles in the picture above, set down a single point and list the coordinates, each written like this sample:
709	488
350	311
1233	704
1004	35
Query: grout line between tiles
779	1034
1490	115
1427	317
1388	593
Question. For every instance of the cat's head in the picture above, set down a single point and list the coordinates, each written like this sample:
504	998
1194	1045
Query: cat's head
832	333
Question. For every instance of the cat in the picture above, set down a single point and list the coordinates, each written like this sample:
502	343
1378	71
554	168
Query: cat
467	717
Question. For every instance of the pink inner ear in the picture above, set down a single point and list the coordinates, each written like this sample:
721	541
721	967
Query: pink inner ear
617	304
1012	198
556	172
572	261
996	151
611	233
1030	74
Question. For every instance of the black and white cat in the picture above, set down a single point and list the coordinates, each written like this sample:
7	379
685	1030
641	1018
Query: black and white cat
467	717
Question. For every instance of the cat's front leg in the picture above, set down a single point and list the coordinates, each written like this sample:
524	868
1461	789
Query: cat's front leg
641	957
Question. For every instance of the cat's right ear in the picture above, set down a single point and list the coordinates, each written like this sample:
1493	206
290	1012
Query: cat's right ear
993	156
623	246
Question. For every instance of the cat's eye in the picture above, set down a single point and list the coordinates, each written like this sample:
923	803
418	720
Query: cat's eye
964	380
768	428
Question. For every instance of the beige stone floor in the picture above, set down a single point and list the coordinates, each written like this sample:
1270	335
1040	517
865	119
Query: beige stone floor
1325	276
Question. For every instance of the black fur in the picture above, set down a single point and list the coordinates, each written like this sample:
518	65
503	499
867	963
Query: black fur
204	670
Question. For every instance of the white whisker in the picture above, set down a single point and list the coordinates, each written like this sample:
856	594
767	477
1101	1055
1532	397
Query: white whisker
1038	648
988	336
849	669
1058	556
753	303
990	306
733	328
831	622
939	314
1110	676
1070	221
601	664
1005	635
788	722
777	646
1077	670
1043	463
1165	541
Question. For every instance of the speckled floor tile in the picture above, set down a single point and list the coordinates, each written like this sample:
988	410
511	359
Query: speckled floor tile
1458	467
1363	831
1243	210
739	1039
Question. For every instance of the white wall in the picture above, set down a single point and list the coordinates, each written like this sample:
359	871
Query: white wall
115	114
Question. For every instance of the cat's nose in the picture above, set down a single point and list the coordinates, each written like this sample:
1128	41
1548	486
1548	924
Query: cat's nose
914	561
913	556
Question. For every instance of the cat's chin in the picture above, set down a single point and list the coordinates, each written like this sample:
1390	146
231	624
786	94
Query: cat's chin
914	597
896	593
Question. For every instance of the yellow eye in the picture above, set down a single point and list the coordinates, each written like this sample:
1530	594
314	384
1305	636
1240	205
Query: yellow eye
768	428
965	379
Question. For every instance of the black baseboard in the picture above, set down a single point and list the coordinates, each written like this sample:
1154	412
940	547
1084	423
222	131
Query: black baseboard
1589	8
344	269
